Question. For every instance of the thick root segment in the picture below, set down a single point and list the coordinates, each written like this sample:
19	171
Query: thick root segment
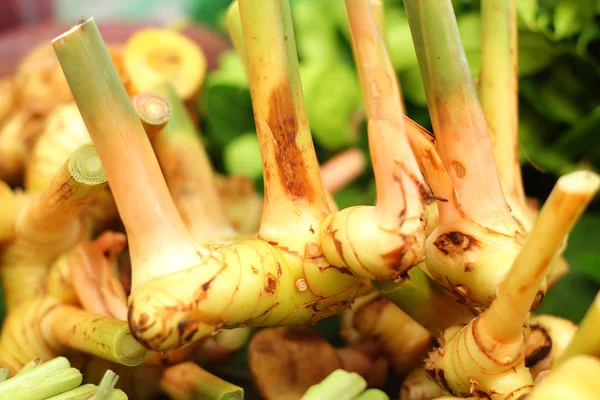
468	363
577	379
464	257
418	386
269	287
384	241
402	339
471	261
548	339
351	240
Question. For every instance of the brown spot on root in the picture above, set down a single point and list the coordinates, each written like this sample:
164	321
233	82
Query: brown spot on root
538	347
254	269
522	397
338	247
539	297
455	243
459	169
272	243
206	284
283	123
271	284
279	271
395	256
144	318
468	266
311	229
188	336
442	377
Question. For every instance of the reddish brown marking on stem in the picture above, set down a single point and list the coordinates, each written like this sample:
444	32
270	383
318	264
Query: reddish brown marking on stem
284	126
468	266
271	284
459	169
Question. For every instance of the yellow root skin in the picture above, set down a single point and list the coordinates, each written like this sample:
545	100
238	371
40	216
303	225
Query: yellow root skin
17	134
242	204
270	287
351	239
548	339
577	379
7	97
466	364
153	55
403	340
64	131
471	261
418	386
39	81
7	215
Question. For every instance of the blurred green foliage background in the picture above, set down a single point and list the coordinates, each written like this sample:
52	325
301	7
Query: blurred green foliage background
559	101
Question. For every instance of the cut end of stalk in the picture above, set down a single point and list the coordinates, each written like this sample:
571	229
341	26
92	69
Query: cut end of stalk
127	350
154	111
582	183
85	166
154	55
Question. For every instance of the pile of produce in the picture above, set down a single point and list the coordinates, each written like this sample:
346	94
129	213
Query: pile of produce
122	247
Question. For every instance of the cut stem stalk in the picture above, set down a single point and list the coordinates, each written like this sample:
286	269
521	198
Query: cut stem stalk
188	381
80	178
569	198
390	148
499	92
110	339
456	115
159	242
189	173
154	111
294	195
233	23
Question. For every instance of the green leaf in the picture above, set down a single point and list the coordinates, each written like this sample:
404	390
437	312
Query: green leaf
314	31
535	53
581	137
570	297
242	156
570	17
333	99
534	144
412	86
589	263
399	40
527	11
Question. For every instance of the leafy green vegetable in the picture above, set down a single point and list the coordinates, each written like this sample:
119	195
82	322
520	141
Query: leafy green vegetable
242	156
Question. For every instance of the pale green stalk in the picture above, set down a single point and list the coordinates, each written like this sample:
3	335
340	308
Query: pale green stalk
187	381
81	392
456	115
106	386
572	193
339	385
499	92
49	367
36	385
372	394
29	366
159	242
295	198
